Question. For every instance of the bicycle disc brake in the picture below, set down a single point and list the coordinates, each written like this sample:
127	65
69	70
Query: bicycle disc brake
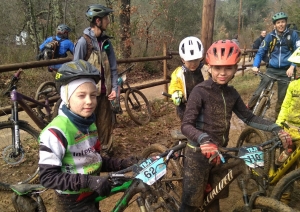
10	157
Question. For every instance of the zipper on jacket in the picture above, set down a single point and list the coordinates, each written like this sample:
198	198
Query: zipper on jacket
224	117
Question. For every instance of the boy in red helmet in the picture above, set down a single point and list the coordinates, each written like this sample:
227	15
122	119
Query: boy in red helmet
206	124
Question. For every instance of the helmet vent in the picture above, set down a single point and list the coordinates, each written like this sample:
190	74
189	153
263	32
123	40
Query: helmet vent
192	52
182	49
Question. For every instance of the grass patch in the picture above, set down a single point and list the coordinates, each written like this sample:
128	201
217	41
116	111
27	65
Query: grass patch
245	84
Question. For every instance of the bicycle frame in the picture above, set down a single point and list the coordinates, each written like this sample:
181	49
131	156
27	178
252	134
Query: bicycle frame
276	175
18	98
267	93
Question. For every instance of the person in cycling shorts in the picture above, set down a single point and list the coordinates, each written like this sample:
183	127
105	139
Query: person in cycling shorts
206	124
280	44
185	77
70	160
65	45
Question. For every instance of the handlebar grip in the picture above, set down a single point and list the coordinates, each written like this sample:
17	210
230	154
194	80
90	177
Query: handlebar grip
166	94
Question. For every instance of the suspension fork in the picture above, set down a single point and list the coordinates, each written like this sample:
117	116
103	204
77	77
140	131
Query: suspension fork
15	129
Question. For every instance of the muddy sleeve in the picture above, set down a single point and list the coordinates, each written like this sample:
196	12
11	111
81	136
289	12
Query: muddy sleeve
250	119
193	109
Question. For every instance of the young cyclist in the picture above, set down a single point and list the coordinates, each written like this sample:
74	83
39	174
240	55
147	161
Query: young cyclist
70	160
185	77
289	112
289	118
206	124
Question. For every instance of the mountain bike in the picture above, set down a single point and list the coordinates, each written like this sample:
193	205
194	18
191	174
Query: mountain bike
144	183
136	104
19	140
248	157
277	174
264	100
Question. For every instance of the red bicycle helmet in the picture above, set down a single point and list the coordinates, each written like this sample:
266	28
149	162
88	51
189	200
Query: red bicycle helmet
223	53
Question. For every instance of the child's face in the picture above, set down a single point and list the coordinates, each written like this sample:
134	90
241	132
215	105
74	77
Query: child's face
192	64
222	74
84	100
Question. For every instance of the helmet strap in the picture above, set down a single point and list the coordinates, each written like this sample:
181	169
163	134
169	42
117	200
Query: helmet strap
67	99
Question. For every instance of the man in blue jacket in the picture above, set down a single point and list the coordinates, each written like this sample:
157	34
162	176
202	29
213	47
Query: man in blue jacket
280	44
65	45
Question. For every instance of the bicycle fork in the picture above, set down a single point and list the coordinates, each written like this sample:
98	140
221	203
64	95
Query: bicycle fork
16	147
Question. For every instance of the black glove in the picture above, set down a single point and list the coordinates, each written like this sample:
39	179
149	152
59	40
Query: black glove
129	162
101	185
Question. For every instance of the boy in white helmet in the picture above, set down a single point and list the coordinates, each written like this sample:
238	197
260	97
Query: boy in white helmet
185	77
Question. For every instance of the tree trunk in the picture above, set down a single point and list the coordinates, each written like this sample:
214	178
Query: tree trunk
208	17
125	45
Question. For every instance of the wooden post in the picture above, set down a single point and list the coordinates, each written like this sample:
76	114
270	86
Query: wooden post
208	17
165	69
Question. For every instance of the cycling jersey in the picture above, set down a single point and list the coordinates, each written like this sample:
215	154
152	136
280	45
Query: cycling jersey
70	154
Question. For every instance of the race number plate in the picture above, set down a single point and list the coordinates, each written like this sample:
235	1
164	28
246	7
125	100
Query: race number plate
151	170
252	156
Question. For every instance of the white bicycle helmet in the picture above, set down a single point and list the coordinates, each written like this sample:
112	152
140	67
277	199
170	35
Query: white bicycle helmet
191	48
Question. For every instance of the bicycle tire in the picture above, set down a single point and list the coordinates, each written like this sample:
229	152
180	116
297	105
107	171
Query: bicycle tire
137	106
38	96
266	204
25	170
171	188
251	136
56	108
260	107
289	183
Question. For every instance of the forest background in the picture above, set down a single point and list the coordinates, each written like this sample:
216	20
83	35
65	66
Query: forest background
139	27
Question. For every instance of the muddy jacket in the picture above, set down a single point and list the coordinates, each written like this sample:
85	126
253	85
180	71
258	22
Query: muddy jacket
290	108
281	52
111	72
209	111
185	80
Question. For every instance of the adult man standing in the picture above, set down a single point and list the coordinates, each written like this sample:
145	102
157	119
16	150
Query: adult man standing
65	45
259	40
280	44
257	43
95	47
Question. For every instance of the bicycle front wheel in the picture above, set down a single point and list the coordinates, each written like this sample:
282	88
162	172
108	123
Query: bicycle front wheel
50	87
251	136
262	203
24	167
170	185
137	106
260	107
287	189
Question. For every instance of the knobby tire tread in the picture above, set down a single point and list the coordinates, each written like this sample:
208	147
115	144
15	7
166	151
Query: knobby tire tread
290	179
266	204
41	88
176	170
260	106
129	110
33	178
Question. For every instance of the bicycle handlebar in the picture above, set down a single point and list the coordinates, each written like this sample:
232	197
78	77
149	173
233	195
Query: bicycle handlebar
126	70
271	77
